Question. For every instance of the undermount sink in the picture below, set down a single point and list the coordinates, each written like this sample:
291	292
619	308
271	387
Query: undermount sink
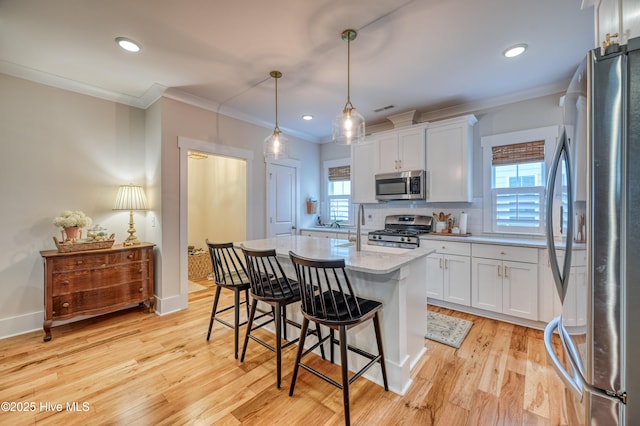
376	249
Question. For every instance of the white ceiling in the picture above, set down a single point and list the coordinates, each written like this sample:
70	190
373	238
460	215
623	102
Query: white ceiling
425	55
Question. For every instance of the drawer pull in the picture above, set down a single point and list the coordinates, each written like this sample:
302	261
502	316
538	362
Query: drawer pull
65	305
440	263
444	247
446	264
65	282
499	271
502	252
141	290
79	262
505	272
130	256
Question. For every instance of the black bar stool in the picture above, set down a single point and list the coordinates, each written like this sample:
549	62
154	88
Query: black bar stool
229	272
328	299
270	284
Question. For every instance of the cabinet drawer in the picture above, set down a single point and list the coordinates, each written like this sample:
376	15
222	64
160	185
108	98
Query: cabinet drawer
513	253
87	279
447	247
99	299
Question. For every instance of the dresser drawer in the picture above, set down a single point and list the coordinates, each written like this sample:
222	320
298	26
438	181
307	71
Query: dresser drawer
126	256
511	253
73	263
87	279
447	247
100	299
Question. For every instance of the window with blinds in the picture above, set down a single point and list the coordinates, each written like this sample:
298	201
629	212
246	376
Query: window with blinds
339	194
517	183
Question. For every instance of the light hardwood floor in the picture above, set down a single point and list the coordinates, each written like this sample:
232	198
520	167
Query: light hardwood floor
136	368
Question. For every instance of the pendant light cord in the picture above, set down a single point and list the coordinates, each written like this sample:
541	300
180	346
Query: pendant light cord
277	128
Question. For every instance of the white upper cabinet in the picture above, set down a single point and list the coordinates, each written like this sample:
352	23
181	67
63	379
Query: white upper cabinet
621	17
401	150
363	162
449	160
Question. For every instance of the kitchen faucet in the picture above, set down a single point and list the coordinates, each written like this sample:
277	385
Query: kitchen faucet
359	218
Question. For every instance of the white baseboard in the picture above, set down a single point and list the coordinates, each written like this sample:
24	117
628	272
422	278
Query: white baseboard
21	324
171	304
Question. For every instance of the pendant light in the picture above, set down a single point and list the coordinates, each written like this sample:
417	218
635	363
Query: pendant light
275	145
348	126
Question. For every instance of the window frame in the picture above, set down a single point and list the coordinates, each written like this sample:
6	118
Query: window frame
550	136
325	213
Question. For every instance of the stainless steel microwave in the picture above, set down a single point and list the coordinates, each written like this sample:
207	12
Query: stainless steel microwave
409	185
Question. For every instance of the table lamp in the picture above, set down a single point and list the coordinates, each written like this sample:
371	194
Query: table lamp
130	197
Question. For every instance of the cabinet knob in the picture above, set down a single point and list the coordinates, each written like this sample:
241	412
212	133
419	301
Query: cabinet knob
65	282
130	256
79	262
141	290
65	305
444	247
502	252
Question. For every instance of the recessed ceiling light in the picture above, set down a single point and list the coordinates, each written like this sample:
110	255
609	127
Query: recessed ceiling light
307	117
128	44
515	50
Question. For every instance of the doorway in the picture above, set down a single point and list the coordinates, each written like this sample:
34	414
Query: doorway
214	194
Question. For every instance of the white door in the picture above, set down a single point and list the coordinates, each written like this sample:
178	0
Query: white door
282	183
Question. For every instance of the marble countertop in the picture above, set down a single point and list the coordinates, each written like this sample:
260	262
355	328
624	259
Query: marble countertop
484	239
371	259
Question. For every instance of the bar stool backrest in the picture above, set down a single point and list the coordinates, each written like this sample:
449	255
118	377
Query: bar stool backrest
325	290
228	268
268	279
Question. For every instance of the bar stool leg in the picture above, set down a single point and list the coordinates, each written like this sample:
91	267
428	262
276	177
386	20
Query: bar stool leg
376	325
236	327
278	344
213	311
345	373
252	313
303	334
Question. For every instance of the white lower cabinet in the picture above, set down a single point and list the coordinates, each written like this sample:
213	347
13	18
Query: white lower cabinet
448	272
574	312
504	279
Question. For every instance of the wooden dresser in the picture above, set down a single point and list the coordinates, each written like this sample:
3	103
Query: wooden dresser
96	281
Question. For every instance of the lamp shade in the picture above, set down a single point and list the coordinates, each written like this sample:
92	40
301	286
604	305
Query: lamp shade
348	127
130	197
275	146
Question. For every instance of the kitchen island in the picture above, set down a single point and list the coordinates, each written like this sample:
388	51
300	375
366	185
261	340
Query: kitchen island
393	276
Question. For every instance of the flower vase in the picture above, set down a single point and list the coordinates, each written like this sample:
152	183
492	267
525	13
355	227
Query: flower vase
71	234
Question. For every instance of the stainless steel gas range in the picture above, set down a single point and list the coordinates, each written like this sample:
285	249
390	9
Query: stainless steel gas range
401	231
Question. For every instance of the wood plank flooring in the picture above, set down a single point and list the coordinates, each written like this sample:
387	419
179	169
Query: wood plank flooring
142	369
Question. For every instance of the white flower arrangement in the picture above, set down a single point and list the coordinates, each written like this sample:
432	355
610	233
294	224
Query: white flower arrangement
75	219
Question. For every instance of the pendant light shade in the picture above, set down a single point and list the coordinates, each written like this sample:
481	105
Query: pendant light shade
275	145
348	126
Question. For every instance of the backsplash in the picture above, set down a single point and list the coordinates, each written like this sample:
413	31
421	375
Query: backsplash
375	213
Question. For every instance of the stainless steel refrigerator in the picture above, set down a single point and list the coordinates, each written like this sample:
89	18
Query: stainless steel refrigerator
593	207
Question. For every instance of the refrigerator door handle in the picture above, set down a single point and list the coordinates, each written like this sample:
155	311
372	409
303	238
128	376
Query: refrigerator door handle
561	280
574	383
